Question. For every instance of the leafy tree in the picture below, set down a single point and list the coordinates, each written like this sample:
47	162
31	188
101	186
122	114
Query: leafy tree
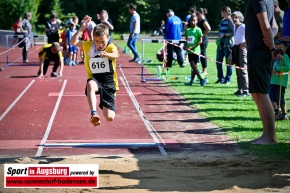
151	11
15	9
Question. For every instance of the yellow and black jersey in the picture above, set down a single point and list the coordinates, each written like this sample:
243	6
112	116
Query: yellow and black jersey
46	53
107	79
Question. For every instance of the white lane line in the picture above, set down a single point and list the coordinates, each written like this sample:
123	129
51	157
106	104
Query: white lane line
16	100
149	127
46	134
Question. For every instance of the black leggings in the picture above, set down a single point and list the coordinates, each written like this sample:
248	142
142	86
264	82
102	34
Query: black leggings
203	48
46	64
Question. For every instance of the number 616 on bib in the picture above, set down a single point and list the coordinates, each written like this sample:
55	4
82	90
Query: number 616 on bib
99	65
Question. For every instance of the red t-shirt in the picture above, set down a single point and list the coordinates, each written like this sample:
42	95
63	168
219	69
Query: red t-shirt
15	26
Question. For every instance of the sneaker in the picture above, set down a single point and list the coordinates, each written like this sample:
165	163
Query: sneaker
134	60
53	74
138	61
73	64
218	81
202	82
95	120
277	115
244	94
282	117
237	93
188	84
184	64
226	82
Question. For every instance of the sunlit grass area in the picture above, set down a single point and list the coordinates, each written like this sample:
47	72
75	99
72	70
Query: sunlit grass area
237	116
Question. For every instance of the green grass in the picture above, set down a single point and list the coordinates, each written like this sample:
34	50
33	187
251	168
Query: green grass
237	116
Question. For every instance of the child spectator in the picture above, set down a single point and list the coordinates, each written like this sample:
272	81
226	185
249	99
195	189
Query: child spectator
279	82
73	50
193	36
17	28
100	64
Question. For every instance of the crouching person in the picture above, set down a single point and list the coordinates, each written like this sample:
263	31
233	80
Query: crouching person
50	52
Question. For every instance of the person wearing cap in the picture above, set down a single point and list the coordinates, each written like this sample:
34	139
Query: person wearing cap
50	52
173	31
279	81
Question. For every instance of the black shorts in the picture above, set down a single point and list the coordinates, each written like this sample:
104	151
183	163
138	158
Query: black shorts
259	70
275	92
107	95
193	58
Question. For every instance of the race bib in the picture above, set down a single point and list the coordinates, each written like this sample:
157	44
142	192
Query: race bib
190	39
99	65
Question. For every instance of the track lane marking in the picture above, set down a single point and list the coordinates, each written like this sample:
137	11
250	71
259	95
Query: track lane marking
48	129
16	100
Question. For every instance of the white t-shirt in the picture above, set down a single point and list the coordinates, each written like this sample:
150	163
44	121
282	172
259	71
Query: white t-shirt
91	26
240	34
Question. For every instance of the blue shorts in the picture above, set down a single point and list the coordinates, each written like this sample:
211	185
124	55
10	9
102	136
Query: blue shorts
274	93
73	49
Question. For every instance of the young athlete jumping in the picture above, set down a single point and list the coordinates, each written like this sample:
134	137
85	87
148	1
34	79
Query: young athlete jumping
100	65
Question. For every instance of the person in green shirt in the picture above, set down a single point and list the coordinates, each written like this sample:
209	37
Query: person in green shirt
279	80
193	37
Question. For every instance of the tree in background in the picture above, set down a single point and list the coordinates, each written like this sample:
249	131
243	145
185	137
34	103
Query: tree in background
151	11
15	9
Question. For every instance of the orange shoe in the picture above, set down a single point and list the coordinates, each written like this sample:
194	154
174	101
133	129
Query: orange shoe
95	120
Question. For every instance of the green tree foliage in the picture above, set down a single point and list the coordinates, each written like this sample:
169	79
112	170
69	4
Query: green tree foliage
15	9
151	11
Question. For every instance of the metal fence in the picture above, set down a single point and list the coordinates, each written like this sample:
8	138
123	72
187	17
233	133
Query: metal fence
6	38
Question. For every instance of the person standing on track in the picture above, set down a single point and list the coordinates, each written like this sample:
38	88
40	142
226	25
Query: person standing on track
100	65
17	28
104	18
51	28
26	27
50	52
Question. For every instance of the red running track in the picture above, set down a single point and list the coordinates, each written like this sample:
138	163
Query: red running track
54	112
